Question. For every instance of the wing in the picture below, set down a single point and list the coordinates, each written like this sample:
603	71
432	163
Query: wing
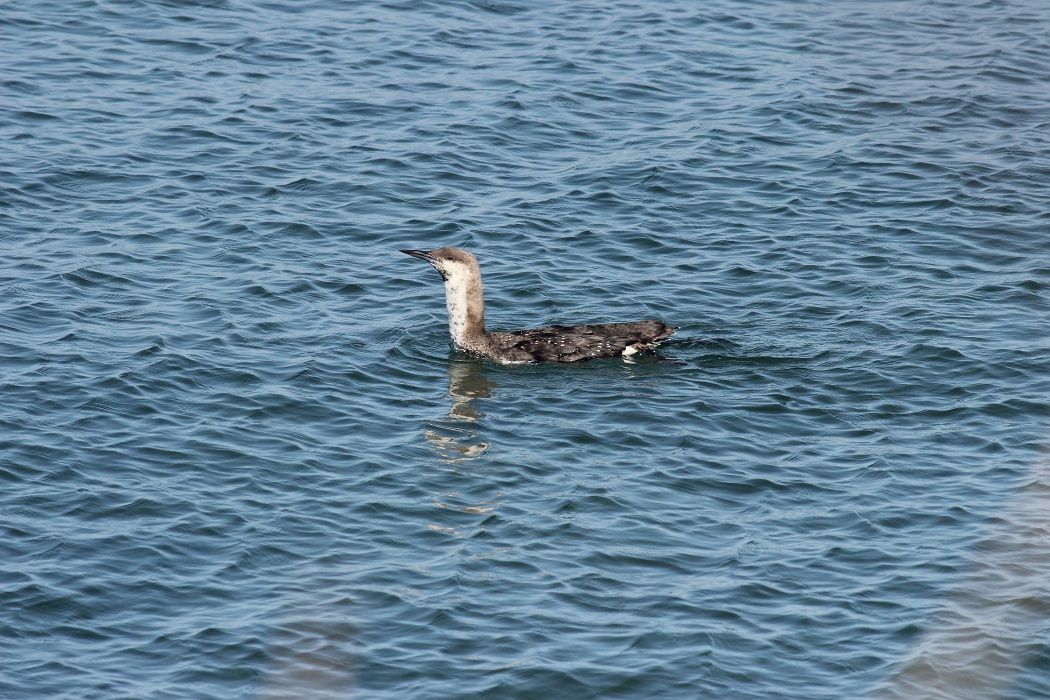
575	343
567	347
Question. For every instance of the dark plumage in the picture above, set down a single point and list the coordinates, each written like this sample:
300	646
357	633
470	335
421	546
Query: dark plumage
466	314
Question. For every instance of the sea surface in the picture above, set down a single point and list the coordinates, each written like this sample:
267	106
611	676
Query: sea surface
238	458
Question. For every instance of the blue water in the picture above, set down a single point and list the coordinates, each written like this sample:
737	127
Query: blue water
239	460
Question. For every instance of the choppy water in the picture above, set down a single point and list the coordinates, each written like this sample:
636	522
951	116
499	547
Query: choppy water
238	459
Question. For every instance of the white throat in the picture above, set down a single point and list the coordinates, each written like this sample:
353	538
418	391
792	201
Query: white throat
456	301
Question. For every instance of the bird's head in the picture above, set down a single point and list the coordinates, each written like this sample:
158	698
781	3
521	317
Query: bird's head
452	263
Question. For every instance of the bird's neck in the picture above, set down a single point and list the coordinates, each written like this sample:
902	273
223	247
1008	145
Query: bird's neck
466	309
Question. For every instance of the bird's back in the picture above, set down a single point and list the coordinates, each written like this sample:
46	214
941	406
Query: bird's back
574	343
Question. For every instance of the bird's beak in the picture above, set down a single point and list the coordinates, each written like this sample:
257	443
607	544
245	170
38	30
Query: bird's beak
421	254
424	255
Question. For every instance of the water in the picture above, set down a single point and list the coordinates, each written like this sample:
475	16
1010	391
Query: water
239	460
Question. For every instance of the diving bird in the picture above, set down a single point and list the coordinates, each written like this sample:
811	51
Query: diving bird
466	322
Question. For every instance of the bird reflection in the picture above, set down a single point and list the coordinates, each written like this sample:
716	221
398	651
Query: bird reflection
456	437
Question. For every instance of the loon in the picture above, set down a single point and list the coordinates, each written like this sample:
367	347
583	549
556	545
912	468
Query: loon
466	322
